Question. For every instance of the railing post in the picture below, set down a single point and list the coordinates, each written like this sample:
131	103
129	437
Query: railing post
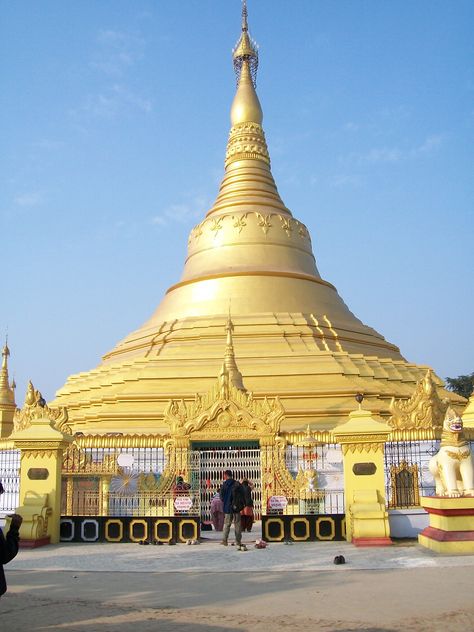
362	439
42	447
104	494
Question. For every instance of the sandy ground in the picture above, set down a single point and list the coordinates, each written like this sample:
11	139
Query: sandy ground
134	588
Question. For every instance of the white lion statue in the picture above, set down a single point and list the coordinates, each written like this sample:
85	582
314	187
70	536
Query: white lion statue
452	467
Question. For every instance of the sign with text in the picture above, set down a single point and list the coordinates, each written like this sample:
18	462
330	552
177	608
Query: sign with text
183	503
277	502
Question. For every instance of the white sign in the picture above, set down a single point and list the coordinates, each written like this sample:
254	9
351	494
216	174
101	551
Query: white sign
277	502
183	503
125	460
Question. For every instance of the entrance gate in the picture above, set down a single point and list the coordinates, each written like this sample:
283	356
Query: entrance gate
242	458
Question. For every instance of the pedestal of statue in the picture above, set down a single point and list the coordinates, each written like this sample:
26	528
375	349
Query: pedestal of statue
451	528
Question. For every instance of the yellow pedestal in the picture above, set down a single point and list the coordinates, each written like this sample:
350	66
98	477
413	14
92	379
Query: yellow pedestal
451	527
362	439
41	446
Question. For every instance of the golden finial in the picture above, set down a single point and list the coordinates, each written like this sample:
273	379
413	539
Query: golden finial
246	50
245	26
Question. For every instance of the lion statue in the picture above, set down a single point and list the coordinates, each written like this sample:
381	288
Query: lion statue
452	467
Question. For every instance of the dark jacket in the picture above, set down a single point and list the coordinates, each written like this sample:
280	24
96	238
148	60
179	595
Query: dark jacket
8	550
226	495
232	496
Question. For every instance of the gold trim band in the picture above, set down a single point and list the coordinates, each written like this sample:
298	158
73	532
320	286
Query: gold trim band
220	275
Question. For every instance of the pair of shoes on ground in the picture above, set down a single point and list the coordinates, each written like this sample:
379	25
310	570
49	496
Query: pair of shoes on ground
240	547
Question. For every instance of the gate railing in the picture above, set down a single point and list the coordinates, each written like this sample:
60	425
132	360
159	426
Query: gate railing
407	476
319	502
10	477
143	504
128	481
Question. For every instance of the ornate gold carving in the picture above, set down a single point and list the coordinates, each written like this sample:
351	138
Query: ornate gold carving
38	449
404	485
216	225
78	461
414	434
35	512
458	456
424	409
306	484
286	225
241	221
224	412
35	407
246	141
276	479
264	222
120	441
364	443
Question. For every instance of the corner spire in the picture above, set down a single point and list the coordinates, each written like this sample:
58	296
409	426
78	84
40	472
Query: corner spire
230	372
7	394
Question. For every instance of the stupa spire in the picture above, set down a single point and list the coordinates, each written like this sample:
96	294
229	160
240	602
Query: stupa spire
7	394
229	369
246	49
251	249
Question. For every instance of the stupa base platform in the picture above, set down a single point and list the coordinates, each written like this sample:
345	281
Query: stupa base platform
34	543
451	529
371	542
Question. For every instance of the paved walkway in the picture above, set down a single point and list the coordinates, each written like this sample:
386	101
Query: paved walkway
133	588
210	556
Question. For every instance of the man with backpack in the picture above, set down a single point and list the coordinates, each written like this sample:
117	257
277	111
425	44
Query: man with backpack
233	499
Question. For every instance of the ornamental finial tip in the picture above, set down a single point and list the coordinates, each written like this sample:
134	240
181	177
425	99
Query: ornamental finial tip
246	49
245	26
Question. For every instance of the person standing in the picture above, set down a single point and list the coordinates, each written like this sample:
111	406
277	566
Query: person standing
8	545
232	496
247	511
217	512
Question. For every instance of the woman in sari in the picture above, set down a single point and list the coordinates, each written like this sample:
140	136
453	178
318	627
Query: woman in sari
217	512
247	511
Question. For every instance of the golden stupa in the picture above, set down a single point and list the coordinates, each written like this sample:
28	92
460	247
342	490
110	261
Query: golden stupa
289	332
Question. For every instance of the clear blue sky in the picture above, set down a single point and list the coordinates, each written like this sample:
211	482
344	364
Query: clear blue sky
113	126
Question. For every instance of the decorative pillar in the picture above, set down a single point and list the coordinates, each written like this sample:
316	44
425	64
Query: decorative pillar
104	494
42	447
269	468
362	439
7	397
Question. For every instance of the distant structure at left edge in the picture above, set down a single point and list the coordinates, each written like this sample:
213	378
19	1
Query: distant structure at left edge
251	362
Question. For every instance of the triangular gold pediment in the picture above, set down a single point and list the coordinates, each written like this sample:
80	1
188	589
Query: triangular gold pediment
424	410
224	412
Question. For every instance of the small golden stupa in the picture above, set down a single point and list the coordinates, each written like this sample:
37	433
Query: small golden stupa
250	294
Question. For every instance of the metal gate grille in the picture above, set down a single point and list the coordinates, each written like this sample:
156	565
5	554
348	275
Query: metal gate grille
243	461
10	477
407	476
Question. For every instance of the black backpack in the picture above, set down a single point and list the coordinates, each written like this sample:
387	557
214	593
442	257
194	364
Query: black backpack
237	498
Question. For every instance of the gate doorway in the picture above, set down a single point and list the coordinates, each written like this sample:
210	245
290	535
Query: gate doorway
241	457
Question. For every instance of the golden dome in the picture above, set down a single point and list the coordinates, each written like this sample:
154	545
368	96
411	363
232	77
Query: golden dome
294	336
